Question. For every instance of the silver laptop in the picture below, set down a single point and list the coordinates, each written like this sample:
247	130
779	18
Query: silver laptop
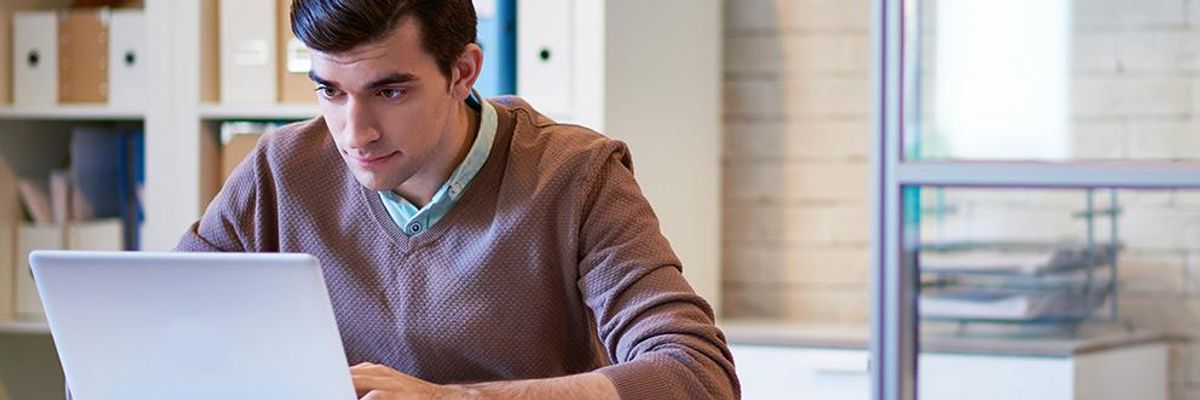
192	326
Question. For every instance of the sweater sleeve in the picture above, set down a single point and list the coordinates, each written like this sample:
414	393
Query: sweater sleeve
239	217
659	334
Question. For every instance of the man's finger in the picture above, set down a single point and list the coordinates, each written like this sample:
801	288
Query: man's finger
373	369
364	384
375	395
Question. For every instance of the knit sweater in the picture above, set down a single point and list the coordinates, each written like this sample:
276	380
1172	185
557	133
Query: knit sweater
552	263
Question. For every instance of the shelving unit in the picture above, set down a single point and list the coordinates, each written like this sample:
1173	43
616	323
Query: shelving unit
21	327
217	112
71	113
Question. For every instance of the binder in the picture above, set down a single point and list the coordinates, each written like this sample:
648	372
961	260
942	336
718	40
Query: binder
127	60
96	168
83	56
546	55
293	63
131	181
498	38
248	58
60	195
35	58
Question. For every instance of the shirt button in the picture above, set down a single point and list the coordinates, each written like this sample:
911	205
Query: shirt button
414	228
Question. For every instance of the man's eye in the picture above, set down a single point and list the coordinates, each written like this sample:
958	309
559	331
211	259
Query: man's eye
392	94
328	92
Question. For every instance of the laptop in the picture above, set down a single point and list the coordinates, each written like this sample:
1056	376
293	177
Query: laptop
206	326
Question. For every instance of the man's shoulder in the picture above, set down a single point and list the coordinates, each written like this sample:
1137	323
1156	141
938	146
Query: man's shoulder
305	143
551	145
298	138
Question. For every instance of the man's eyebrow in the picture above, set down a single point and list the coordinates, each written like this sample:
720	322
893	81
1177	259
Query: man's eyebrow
391	79
319	80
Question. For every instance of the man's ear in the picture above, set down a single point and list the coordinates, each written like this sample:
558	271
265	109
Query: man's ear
465	71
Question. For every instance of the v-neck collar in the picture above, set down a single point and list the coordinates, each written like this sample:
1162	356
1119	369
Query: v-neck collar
484	179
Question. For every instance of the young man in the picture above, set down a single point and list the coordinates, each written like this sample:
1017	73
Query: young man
473	249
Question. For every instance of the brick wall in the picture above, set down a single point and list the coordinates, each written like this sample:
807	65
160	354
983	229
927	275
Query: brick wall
796	161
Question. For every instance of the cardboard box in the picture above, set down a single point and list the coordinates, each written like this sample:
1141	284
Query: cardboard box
83	56
234	151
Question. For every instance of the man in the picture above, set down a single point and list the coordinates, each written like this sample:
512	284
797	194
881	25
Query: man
473	249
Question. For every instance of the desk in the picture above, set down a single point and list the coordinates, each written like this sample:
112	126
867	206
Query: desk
820	362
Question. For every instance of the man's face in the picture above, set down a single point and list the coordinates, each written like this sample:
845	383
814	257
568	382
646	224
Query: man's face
387	105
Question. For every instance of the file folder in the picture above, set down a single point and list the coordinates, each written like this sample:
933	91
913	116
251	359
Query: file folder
35	58
545	54
127	60
497	34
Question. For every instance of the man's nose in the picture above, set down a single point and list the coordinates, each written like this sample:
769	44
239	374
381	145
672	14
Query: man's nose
360	130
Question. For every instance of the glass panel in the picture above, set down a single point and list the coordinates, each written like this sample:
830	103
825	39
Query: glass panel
1051	80
1041	293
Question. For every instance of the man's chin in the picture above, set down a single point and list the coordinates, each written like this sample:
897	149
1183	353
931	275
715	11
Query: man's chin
373	182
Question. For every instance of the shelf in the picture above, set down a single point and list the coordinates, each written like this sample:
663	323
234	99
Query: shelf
216	112
97	112
1081	174
33	327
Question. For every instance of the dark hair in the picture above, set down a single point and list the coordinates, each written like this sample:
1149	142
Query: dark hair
335	26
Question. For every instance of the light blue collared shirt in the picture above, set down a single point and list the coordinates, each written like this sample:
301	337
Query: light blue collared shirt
412	220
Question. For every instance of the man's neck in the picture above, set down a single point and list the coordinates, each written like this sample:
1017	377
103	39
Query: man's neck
419	189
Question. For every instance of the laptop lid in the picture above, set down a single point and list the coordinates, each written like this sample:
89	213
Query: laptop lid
192	325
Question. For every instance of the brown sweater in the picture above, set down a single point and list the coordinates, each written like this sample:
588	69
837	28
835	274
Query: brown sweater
550	264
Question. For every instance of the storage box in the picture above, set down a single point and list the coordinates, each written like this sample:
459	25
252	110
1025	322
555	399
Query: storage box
127	60
99	235
83	56
35	58
248	57
30	238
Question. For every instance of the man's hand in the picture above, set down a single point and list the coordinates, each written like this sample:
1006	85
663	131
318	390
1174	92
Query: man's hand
379	382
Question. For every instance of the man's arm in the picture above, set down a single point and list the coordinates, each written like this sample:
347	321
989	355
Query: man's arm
586	386
660	335
378	382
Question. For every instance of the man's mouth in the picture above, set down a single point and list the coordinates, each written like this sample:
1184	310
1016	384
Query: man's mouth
370	160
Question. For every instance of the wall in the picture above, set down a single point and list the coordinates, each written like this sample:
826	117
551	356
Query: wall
795	160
